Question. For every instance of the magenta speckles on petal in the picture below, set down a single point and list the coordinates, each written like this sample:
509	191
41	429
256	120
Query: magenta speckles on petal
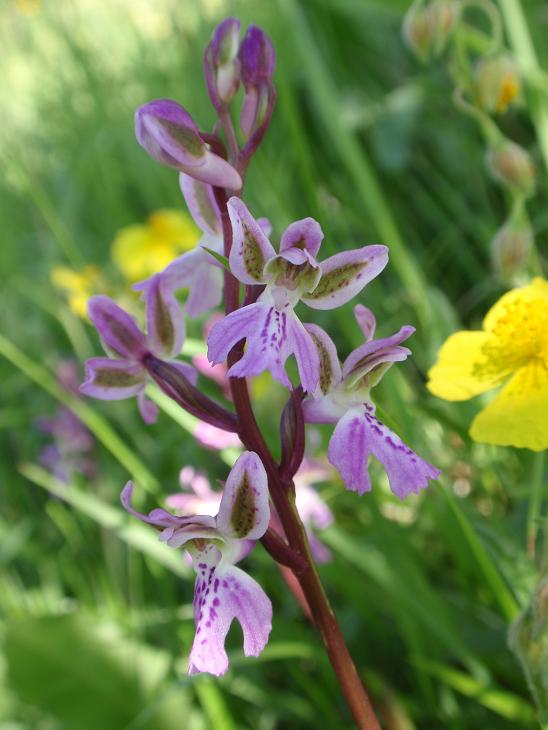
360	434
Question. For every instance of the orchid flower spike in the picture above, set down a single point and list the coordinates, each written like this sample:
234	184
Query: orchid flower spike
170	136
123	374
197	270
343	397
222	592
272	329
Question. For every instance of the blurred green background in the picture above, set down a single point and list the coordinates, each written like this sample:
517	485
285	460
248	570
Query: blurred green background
95	618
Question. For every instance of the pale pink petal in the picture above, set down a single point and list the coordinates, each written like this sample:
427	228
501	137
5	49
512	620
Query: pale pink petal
244	511
345	274
165	321
348	450
357	435
117	328
222	594
322	410
407	472
366	321
108	379
231	329
306	354
201	204
215	171
251	249
373	353
147	409
265	225
330	368
206	289
304	234
215	438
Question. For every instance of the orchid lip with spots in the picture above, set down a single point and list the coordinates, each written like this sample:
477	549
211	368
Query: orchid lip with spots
272	330
343	397
222	592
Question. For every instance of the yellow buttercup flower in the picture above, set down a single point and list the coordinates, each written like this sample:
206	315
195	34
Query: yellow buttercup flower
141	250
511	350
78	286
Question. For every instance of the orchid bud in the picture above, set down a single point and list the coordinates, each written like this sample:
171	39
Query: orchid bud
497	83
428	27
512	166
117	329
169	135
222	56
510	248
257	62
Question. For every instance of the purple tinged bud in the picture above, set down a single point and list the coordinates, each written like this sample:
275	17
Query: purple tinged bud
257	58
224	57
170	136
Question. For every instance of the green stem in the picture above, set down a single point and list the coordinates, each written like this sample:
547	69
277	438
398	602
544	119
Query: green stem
535	502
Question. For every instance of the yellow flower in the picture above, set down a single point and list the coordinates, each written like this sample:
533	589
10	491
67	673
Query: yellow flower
78	286
141	250
511	350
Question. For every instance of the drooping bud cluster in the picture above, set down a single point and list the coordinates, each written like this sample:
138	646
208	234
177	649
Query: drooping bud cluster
427	27
486	85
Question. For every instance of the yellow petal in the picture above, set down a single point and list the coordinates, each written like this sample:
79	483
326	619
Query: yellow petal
460	371
518	416
537	289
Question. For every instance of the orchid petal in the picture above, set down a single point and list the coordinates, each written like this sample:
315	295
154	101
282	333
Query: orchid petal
176	530
348	451
251	249
169	134
366	321
303	234
231	329
108	379
201	204
375	357
148	410
330	368
244	511
222	594
406	471
165	322
306	353
345	274
216	171
206	290
358	434
265	226
116	328
324	409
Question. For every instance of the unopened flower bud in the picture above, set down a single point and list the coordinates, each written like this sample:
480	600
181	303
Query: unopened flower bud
257	62
169	135
225	64
428	27
512	166
510	248
497	82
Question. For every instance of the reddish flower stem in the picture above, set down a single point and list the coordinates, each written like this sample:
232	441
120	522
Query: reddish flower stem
283	497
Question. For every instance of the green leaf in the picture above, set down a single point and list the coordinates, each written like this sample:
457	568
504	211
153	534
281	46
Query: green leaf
218	257
89	676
